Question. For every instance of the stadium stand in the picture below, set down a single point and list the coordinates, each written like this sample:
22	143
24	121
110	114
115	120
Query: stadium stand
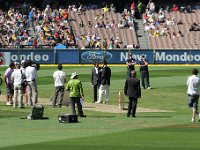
100	25
170	28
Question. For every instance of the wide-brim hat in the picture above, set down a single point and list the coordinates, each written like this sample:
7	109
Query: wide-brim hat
74	74
23	61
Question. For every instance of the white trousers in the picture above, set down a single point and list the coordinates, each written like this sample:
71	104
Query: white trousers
32	93
18	95
104	89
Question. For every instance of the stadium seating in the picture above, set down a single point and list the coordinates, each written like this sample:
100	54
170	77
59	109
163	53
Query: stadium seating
188	40
177	36
126	35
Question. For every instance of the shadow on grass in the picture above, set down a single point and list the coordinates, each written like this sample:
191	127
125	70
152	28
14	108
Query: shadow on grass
102	116
154	116
88	107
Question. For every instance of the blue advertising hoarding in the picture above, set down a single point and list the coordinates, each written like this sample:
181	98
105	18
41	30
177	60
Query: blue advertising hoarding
75	56
38	56
113	56
67	56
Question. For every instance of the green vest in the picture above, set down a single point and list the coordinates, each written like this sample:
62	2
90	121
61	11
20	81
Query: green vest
75	88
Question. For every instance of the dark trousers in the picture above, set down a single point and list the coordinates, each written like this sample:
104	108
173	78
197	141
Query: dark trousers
95	88
145	79
132	106
59	90
79	106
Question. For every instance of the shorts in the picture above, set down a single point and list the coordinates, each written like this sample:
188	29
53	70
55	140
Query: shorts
9	89
193	101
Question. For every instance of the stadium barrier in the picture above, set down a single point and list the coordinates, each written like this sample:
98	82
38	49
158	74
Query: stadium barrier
88	56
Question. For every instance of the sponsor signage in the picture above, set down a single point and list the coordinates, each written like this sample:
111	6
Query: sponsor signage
177	57
74	56
95	56
38	56
114	56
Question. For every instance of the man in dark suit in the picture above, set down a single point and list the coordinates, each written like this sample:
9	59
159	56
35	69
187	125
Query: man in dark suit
105	83
133	91
95	80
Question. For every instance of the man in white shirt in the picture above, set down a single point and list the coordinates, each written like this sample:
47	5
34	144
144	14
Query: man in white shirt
193	83
17	79
59	82
31	75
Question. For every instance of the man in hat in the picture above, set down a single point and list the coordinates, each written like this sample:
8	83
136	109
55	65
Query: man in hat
59	82
74	86
130	64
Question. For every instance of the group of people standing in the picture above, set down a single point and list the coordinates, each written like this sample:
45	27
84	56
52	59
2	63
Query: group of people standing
100	80
18	74
74	86
20	79
132	84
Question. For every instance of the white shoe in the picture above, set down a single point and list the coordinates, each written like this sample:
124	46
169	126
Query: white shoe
193	120
8	104
98	102
149	88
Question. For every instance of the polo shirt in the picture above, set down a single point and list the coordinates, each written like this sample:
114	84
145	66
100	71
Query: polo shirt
30	73
17	76
193	84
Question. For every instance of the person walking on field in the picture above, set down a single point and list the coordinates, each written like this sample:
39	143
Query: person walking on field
95	80
59	83
74	86
144	72
193	83
133	91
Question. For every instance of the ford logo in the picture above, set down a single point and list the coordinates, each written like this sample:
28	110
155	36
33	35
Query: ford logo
99	56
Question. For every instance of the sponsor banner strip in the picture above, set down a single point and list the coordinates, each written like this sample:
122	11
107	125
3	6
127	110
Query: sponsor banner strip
89	56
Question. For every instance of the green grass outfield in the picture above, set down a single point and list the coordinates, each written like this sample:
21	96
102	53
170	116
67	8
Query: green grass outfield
148	131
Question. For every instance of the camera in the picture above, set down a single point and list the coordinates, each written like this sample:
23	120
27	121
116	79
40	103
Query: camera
36	65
